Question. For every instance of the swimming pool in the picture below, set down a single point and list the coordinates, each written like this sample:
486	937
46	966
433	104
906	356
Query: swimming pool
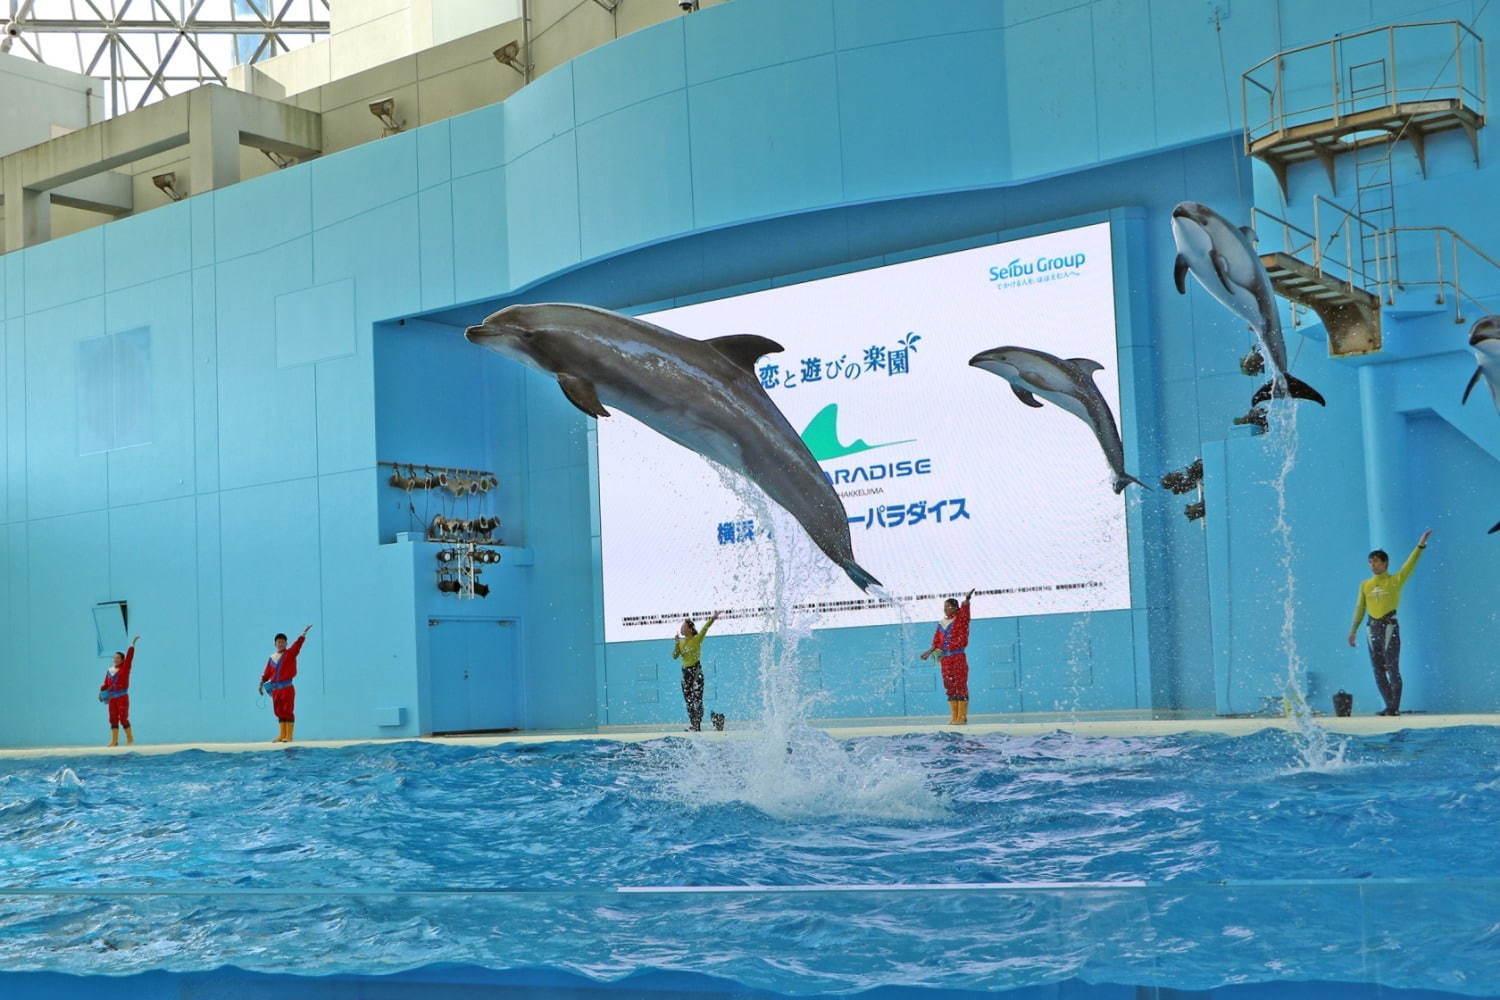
795	866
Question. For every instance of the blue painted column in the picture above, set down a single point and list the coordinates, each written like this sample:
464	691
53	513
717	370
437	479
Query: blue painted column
1384	436
1387	484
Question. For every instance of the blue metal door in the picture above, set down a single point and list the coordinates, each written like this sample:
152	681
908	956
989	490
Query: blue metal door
474	675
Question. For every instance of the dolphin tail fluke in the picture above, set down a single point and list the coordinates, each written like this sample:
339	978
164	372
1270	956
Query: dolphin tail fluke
857	573
1123	480
1295	387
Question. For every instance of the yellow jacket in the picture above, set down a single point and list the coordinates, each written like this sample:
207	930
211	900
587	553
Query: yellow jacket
1380	594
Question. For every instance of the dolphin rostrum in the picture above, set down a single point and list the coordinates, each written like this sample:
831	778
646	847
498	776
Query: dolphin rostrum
702	394
1066	384
1484	340
1225	263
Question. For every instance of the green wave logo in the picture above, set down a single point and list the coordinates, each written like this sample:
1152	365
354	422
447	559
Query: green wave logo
822	437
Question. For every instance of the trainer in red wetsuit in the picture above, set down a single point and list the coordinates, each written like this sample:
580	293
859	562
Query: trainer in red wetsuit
949	642
115	691
281	668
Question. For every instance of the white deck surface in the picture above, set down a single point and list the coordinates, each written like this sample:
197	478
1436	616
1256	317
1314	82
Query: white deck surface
1091	724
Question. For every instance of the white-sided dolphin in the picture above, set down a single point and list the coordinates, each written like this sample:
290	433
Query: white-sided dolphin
1484	340
1068	385
1221	256
702	394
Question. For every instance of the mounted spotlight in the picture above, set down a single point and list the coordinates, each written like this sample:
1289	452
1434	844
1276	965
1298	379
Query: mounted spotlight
1194	511
687	6
385	110
167	185
1184	480
1255	418
1252	363
509	54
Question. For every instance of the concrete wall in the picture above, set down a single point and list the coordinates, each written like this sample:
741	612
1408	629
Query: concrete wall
677	163
38	103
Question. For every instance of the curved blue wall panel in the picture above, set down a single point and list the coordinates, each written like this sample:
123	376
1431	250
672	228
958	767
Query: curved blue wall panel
756	143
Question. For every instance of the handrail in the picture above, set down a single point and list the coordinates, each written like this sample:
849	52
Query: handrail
1440	281
1339	103
1351	229
1360	34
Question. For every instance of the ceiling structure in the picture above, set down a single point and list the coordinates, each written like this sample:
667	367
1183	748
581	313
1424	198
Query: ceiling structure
146	50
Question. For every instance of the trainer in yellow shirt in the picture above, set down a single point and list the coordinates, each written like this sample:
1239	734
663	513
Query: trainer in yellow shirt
1378	597
689	648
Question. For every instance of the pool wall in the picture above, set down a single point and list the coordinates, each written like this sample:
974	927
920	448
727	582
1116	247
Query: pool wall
304	326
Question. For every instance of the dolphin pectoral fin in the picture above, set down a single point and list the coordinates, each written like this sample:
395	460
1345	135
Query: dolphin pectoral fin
1221	268
1086	365
1025	396
1180	273
582	394
1494	529
1473	381
1250	234
745	349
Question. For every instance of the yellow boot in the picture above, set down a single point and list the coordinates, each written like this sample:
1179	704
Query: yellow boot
129	737
952	713
280	732
114	736
289	727
963	713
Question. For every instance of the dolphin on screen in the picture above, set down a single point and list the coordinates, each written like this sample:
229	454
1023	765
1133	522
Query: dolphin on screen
702	394
1068	385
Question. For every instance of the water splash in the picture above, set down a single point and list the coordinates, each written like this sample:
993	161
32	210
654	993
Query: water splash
66	779
1315	746
780	765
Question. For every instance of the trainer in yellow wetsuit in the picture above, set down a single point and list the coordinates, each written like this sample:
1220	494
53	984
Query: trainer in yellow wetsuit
689	648
1378	596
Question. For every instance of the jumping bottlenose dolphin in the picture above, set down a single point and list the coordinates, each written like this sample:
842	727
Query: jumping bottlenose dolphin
1225	263
702	394
1484	339
1066	384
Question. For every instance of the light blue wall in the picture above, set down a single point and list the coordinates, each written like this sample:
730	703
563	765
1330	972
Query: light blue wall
676	164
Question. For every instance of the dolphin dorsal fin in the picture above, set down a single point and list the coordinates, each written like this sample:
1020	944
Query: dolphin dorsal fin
1086	365
745	349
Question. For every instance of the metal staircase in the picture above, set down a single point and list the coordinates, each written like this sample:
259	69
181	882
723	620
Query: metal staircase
1345	97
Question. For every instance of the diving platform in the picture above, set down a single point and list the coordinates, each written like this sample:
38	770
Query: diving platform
1331	138
1366	90
1350	314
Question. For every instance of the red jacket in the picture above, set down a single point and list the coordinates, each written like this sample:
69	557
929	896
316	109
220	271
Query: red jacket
957	638
120	679
287	669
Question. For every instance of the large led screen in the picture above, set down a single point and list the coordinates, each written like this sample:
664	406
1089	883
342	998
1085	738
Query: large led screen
949	481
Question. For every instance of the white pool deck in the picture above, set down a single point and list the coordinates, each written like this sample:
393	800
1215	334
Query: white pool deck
1086	723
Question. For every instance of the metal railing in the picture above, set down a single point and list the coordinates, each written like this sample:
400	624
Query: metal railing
1306	84
1448	250
1348	250
1336	245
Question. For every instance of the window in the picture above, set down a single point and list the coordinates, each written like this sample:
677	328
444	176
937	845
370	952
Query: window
114	391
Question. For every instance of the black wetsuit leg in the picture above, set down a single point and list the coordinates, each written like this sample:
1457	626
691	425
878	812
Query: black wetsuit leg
1385	659
692	694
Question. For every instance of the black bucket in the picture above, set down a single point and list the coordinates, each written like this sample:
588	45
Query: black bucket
1343	703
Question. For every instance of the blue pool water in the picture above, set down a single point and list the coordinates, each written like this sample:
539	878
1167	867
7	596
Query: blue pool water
795	866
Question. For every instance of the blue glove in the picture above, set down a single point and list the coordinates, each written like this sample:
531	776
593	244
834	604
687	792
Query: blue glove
261	687
102	696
